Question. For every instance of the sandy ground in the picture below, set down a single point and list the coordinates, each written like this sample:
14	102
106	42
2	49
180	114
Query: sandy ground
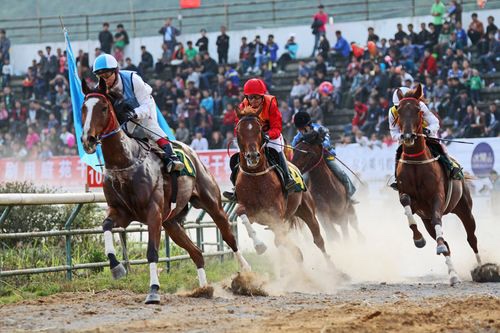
427	307
395	287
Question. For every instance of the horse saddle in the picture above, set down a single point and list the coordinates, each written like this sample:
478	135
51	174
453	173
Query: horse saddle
273	158
189	169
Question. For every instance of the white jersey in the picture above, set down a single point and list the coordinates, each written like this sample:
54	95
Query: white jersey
429	118
142	92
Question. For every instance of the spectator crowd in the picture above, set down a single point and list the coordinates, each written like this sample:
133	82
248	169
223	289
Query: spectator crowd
198	94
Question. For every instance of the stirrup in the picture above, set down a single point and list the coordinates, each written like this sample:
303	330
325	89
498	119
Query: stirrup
231	196
290	185
172	164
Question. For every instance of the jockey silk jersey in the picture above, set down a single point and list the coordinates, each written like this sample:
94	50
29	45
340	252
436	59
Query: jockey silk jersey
270	116
136	92
326	139
430	122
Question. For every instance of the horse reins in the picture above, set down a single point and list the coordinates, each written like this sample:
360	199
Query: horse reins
317	163
111	127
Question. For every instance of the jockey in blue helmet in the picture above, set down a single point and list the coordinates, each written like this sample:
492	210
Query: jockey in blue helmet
303	123
137	104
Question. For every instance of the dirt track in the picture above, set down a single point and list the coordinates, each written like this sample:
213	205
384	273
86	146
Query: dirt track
364	307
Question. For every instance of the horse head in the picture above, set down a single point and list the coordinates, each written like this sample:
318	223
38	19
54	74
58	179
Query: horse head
410	115
250	137
98	116
308	152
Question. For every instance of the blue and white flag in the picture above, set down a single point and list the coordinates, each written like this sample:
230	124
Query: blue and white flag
96	159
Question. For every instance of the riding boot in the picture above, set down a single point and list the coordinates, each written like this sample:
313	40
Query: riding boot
231	195
394	185
453	167
344	178
289	182
170	159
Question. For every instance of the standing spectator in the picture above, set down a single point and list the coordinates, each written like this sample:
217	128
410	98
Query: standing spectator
121	40
290	53
4	45
318	26
7	72
53	63
169	33
146	61
106	38
191	51
222	46
342	47
372	37
438	10
400	35
202	42
455	12
476	29
199	142
324	47
492	121
491	28
271	52
244	57
475	84
256	55
461	36
210	69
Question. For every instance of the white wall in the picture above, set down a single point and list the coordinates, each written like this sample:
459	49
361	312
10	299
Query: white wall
23	54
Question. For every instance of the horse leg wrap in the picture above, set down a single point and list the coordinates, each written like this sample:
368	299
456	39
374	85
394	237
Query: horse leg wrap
202	277
439	231
244	266
259	246
153	275
109	248
409	216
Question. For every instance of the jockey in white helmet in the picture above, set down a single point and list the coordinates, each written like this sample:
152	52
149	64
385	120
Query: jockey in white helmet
137	104
430	128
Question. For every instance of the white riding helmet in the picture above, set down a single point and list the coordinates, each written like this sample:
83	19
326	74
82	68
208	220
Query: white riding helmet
395	99
105	62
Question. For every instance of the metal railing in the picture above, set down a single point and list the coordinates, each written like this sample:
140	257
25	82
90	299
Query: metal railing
234	15
79	199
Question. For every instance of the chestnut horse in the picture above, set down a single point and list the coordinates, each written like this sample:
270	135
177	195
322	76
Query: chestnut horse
137	188
424	186
260	195
329	194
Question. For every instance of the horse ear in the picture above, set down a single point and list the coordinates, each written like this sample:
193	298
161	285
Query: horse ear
418	91
102	86
400	94
85	87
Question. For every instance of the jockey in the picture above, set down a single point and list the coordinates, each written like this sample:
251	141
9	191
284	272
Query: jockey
137	103
303	123
430	129
267	107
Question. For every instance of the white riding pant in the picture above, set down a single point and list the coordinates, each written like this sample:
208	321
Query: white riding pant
277	144
151	123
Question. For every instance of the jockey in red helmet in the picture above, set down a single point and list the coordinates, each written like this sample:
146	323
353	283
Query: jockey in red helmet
267	108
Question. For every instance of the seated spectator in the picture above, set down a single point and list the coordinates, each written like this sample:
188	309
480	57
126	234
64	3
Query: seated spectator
228	118
374	141
428	65
324	47
372	37
412	35
191	52
178	54
476	29
360	138
455	71
337	88
372	118
400	35
304	69
216	141
7	72
492	121
361	112
488	60
423	35
256	56
432	37
244	57
290	54
209	71
199	142
270	52
182	133
32	138
229	141
341	47
461	36
207	102
129	66
408	54
232	75
146	61
315	112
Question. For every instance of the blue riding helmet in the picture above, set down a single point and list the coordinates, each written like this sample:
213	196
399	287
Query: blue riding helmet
104	62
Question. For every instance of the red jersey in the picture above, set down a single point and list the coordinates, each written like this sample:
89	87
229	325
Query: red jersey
270	116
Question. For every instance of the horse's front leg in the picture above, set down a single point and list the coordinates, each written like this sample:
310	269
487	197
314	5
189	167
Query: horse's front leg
117	269
442	245
258	244
154	218
418	238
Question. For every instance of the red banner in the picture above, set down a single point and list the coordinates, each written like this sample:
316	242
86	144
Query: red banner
70	172
190	3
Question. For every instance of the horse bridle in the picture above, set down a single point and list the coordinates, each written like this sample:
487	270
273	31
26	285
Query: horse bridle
111	128
262	147
317	163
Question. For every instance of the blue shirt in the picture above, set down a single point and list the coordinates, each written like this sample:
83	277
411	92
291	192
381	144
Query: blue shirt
461	36
342	47
326	140
272	50
208	104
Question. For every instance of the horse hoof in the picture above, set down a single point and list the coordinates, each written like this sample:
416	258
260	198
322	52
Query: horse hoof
118	272
441	249
420	243
454	280
260	248
152	298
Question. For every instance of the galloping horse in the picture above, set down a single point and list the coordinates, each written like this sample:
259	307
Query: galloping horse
136	189
424	186
260	195
327	190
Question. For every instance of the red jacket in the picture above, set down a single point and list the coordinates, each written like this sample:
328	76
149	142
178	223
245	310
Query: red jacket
360	116
270	116
429	64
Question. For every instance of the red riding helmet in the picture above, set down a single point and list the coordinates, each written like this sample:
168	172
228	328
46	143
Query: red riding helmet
254	87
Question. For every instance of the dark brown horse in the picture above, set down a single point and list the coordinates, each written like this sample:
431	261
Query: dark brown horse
136	189
330	197
425	188
260	195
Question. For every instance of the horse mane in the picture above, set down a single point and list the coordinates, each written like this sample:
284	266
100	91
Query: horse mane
412	93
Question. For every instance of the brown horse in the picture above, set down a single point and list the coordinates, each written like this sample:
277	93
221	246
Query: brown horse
329	194
424	186
136	189
260	195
